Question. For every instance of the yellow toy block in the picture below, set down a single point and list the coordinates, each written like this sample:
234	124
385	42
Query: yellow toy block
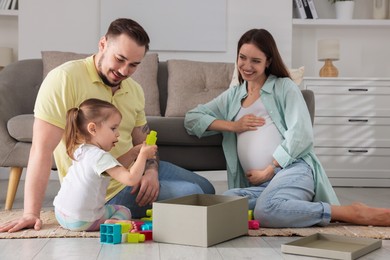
250	214
151	138
135	238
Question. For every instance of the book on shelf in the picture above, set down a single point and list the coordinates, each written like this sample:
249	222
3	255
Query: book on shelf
307	9
15	5
312	7
299	9
7	4
2	3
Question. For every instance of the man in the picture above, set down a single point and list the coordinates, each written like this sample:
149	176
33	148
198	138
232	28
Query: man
106	76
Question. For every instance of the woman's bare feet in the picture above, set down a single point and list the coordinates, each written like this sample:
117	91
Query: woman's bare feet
361	214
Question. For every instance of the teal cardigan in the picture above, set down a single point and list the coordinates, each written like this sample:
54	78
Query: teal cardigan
287	108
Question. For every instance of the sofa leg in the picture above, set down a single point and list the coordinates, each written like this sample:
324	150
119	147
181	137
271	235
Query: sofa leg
13	184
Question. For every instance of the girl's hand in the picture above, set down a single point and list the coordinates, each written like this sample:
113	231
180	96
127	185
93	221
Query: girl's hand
248	122
257	177
149	151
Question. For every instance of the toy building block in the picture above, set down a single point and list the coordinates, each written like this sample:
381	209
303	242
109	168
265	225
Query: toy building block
253	224
135	238
148	234
147	226
124	237
110	233
125	227
137	225
146	219
250	214
149	212
151	138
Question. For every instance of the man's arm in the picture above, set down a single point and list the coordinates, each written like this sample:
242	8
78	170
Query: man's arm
45	138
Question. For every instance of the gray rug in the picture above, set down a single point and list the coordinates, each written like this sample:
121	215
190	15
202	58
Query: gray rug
51	229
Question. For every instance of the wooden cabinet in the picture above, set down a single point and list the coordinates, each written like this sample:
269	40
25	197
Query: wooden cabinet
352	129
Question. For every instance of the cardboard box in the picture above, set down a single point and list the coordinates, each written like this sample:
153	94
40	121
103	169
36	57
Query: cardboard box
200	220
332	246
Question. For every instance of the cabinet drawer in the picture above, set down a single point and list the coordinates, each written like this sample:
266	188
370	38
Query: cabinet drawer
352	105
351	132
350	98
355	163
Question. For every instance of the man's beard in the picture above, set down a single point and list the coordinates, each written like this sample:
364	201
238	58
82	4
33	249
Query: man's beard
103	77
107	82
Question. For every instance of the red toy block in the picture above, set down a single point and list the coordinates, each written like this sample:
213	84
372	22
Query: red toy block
253	224
148	234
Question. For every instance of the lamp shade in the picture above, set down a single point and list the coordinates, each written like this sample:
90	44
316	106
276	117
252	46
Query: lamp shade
328	49
5	56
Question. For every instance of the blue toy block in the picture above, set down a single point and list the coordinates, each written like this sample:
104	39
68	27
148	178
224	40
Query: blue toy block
110	233
147	226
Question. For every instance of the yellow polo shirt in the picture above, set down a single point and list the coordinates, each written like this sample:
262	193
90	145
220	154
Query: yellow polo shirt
73	82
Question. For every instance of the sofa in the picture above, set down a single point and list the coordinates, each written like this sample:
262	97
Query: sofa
171	88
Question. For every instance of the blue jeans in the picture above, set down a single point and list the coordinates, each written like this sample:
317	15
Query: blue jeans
174	182
286	200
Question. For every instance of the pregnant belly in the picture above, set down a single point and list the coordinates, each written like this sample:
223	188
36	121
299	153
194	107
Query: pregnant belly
255	148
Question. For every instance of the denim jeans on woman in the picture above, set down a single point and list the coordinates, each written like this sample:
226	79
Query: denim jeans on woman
286	200
174	182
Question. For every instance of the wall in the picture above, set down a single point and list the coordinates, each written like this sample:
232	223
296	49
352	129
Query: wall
59	25
9	33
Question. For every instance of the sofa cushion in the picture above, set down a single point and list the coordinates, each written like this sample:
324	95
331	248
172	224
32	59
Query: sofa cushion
21	127
52	59
145	75
295	74
193	82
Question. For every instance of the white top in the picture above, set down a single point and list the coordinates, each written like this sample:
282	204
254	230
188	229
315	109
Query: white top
255	148
83	190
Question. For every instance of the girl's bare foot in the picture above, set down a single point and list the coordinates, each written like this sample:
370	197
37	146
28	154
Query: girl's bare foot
114	221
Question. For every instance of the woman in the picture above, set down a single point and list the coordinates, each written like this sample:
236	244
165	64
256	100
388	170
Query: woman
268	144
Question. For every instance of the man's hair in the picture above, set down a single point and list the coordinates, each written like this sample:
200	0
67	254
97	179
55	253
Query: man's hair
131	28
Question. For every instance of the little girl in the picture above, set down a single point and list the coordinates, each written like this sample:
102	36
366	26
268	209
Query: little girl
90	132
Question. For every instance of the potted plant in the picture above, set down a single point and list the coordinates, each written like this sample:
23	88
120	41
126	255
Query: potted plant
344	8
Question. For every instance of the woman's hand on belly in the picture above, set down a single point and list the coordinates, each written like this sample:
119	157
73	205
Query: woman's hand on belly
248	122
257	177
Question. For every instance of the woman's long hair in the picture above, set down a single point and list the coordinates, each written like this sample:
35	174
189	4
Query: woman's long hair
264	41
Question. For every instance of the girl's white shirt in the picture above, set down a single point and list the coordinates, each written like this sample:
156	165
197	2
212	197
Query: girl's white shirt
83	190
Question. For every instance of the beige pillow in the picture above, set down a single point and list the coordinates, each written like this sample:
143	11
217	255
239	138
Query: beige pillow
295	74
52	59
145	75
193	82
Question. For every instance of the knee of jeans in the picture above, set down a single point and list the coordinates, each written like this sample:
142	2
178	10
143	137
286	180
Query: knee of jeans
231	192
268	215
182	189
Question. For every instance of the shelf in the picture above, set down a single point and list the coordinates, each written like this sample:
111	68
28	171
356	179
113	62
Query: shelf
316	23
9	12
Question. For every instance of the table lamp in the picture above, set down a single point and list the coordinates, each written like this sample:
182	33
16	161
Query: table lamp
5	56
328	51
